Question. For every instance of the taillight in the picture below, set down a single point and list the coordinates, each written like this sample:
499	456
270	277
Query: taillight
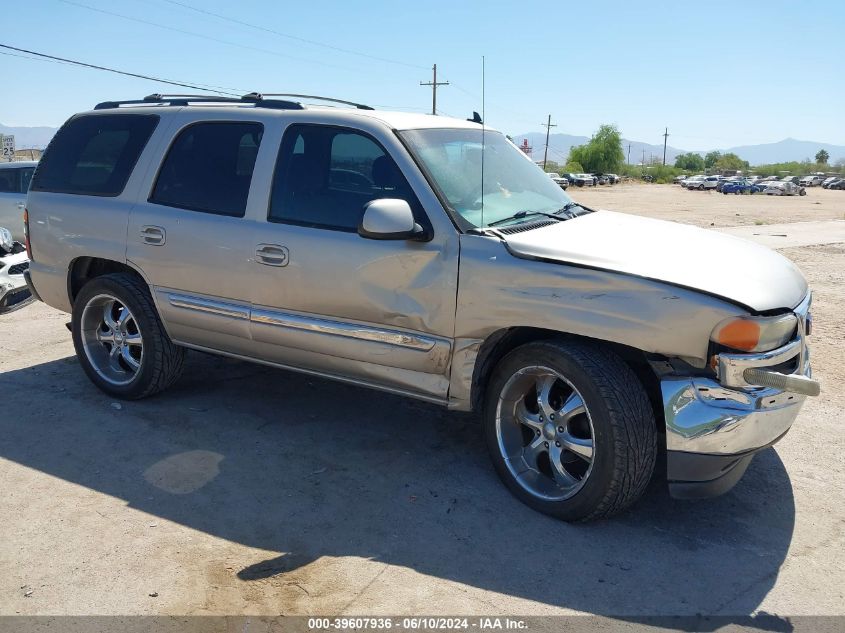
26	234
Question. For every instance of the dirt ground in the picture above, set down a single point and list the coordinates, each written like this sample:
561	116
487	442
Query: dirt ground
711	208
251	490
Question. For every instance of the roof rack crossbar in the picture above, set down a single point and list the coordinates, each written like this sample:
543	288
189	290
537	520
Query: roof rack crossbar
360	106
253	98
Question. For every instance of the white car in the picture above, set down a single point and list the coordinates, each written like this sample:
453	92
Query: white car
13	262
560	181
711	182
694	182
14	183
782	188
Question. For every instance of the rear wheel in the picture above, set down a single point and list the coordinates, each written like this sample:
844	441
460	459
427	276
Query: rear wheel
570	429
120	340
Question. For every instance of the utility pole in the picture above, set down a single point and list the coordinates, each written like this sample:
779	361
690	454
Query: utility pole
629	153
665	136
548	125
643	163
434	83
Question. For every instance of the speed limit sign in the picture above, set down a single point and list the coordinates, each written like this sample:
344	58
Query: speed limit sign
8	147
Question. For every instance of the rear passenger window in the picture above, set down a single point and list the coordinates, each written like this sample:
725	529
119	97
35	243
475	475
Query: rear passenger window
325	175
209	168
94	154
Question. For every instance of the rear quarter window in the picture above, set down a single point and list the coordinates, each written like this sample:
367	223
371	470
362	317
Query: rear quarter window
94	154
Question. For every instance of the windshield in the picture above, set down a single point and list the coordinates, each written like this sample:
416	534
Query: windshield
512	183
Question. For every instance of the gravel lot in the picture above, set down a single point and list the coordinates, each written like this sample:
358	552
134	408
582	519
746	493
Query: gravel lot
250	490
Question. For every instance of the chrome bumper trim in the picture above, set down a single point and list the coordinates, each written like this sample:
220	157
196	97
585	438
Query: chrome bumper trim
732	366
702	416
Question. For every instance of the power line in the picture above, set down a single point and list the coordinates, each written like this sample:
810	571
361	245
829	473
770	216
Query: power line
291	37
64	60
203	36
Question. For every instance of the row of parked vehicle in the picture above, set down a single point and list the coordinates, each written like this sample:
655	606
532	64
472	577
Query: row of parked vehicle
786	185
740	185
583	180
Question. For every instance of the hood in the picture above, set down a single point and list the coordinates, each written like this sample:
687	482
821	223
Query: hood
722	265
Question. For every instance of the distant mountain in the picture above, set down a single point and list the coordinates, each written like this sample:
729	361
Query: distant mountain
783	151
788	149
560	144
29	137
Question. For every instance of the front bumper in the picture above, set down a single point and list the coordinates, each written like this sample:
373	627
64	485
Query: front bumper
714	426
712	432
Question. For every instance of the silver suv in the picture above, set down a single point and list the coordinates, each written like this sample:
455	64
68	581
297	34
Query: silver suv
427	257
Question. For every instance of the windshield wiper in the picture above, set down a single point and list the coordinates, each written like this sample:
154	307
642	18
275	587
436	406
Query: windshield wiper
524	214
567	208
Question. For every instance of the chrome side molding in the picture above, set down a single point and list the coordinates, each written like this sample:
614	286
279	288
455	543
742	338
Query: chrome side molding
340	328
220	308
303	323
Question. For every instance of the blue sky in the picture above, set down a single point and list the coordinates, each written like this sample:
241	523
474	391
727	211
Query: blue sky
716	73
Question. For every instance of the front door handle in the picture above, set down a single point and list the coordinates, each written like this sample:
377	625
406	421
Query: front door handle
21	205
154	235
272	255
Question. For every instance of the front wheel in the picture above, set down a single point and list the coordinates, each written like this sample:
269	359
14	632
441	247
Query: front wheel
120	340
570	429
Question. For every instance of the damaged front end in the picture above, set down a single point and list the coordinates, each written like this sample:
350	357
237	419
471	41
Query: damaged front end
14	292
715	424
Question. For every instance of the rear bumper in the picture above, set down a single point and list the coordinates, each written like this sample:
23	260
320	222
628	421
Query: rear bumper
28	279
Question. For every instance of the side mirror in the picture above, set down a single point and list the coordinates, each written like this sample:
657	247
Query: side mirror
390	219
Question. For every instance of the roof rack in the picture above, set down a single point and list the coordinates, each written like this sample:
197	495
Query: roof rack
255	98
360	106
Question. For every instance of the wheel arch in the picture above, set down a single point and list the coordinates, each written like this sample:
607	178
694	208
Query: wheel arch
500	343
83	269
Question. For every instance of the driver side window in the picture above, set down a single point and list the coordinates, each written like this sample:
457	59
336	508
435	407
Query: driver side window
325	175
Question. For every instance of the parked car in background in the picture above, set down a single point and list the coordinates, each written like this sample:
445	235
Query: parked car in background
694	182
793	179
740	186
837	184
828	181
784	188
585	180
14	183
600	179
679	180
13	263
164	227
612	179
725	181
807	181
561	182
711	182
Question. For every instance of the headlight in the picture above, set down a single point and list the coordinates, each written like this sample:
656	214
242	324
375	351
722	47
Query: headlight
755	334
5	239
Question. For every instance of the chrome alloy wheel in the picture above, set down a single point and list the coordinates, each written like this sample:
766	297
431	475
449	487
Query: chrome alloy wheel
545	433
111	339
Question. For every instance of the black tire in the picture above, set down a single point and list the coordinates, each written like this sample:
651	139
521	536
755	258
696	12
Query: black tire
162	361
624	428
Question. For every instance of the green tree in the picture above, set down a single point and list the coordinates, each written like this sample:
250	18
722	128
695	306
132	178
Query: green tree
822	157
690	162
602	154
730	161
573	168
711	157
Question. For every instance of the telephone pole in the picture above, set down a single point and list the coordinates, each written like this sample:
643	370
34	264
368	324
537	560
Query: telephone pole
665	136
548	125
434	83
643	163
629	153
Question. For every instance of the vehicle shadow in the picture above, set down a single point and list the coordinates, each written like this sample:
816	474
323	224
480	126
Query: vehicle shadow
310	468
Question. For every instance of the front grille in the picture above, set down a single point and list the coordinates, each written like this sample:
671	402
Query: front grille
18	269
526	226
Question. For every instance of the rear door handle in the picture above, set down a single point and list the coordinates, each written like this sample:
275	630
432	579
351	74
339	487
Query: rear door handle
272	255
154	235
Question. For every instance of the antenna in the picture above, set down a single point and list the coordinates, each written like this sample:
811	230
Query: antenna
483	126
